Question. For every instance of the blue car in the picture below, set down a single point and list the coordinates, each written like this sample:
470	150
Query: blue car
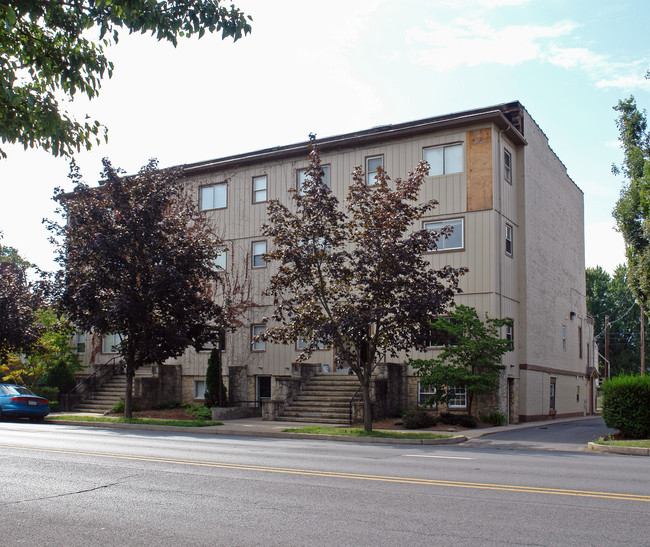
20	402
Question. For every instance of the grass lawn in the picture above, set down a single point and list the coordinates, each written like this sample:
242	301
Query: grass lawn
358	432
639	443
145	421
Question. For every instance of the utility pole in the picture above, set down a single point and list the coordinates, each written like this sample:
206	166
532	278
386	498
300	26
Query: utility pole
642	341
607	345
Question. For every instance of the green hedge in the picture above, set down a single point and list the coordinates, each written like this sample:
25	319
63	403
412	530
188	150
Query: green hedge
50	393
626	405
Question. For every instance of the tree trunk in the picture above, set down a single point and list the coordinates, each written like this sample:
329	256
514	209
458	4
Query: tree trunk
367	406
128	394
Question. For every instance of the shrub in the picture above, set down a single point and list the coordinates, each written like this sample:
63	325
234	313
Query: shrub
626	405
61	376
50	393
199	412
167	406
463	420
418	419
494	417
118	407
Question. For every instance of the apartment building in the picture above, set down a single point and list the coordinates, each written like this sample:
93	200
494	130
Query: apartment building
517	223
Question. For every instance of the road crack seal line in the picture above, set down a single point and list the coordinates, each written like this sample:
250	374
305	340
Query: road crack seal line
61	495
349	476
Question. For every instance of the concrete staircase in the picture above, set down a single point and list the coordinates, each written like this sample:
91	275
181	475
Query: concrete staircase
324	399
110	393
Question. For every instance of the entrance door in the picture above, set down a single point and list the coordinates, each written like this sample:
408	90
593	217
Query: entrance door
552	397
263	389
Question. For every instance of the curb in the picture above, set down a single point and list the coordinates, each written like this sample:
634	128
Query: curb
223	430
626	450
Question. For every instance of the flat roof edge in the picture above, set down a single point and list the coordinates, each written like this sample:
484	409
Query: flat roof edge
494	115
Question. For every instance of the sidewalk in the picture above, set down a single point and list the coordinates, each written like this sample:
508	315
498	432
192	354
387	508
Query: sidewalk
256	427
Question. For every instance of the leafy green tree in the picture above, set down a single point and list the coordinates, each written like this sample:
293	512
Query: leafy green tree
138	261
52	49
471	359
612	296
633	207
356	278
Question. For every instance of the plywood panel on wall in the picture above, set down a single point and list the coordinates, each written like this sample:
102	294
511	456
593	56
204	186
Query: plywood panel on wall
479	169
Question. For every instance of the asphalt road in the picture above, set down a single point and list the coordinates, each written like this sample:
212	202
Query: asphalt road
66	485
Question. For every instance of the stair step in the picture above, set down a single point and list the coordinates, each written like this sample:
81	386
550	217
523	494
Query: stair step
319	421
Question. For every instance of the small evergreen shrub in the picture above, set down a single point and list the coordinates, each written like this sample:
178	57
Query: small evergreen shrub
214	381
199	412
494	417
61	377
626	405
50	393
118	407
167	406
463	420
417	419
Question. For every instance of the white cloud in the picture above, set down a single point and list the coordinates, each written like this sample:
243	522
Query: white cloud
491	4
471	42
628	81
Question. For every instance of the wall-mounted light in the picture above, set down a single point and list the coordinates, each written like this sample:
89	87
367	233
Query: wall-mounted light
572	315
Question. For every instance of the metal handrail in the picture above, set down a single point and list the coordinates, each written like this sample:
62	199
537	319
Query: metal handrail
92	382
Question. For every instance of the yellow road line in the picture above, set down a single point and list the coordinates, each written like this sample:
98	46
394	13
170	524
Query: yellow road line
353	476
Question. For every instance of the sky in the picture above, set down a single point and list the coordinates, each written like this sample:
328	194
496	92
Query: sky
346	65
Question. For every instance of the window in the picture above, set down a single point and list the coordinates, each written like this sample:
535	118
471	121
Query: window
510	332
444	160
259	188
454	239
438	338
261	344
507	166
80	342
220	263
458	397
372	164
220	343
110	343
302	177
199	389
508	240
580	342
302	344
259	249
564	337
214	197
577	394
424	394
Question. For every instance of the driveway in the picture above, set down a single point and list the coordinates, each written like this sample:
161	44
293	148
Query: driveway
564	436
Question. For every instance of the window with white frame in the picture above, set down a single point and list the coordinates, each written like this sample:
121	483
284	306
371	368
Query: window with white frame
510	332
302	344
508	240
110	343
258	250
444	160
439	338
220	263
257	345
424	394
458	397
199	389
219	343
302	177
80	342
507	166
454	239
373	163
564	337
259	188
214	196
